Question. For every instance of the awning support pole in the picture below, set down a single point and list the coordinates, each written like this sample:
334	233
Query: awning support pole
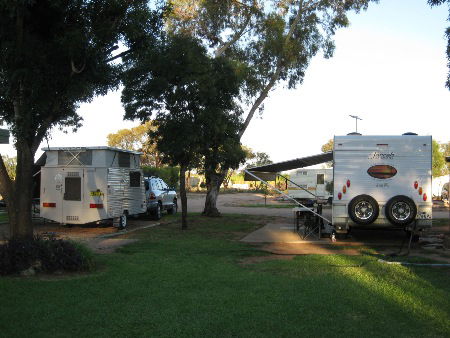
289	197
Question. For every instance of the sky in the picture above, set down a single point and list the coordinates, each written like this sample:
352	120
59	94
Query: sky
389	68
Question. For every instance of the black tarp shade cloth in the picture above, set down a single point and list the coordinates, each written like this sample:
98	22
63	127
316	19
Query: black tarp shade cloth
293	164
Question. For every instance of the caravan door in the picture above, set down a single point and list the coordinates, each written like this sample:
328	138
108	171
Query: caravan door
72	199
320	185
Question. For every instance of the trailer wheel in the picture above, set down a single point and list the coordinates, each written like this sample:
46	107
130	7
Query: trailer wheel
174	208
401	210
123	222
363	209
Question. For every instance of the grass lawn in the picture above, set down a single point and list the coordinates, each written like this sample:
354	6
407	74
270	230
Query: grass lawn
193	283
3	216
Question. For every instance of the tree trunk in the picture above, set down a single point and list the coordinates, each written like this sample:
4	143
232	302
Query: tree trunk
18	193
183	197
213	182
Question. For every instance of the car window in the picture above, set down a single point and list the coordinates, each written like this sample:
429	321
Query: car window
163	185
154	185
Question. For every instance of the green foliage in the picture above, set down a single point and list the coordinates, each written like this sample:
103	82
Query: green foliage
192	96
137	139
55	56
257	159
328	146
439	167
447	33
170	175
10	164
44	255
271	42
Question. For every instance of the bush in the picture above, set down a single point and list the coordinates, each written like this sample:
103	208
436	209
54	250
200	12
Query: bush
44	255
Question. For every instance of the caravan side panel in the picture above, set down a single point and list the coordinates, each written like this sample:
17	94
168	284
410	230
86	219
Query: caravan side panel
121	196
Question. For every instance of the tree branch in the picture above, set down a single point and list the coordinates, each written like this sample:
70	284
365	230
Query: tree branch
118	55
236	37
275	76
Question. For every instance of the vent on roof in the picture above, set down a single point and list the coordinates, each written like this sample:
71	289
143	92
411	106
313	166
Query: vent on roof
409	133
354	133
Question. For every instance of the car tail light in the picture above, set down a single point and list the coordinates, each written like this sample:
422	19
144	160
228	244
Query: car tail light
416	184
152	196
348	183
420	190
424	197
340	195
95	206
344	189
49	205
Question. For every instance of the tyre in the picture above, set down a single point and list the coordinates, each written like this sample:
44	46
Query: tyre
157	213
363	209
173	209
123	222
401	210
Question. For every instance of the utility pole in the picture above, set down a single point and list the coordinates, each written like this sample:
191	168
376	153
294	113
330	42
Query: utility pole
356	119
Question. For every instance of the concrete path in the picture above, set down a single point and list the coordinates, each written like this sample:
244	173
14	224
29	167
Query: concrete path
274	232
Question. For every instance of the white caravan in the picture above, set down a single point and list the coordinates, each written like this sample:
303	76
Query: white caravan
382	181
307	184
83	185
379	181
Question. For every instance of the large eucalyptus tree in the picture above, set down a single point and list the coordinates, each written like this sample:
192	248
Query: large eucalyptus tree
270	41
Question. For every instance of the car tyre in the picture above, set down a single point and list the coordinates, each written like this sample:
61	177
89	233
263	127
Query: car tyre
363	209
401	210
157	213
173	210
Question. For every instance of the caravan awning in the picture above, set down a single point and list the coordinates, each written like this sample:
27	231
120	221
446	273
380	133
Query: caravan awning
294	164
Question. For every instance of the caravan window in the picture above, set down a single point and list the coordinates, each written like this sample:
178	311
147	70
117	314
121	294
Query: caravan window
75	157
124	160
320	178
135	179
73	189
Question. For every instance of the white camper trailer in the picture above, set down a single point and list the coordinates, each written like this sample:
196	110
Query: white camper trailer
307	184
382	181
378	181
84	185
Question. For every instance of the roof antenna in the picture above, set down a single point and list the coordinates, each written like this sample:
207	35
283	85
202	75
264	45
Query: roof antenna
356	120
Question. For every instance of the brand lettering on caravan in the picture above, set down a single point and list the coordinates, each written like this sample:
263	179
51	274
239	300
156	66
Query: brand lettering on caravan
380	156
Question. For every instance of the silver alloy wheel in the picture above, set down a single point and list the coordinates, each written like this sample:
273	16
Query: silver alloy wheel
364	210
401	210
